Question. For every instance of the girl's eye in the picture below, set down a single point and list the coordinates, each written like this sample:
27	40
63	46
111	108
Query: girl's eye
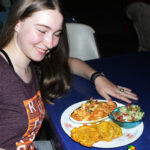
42	31
58	34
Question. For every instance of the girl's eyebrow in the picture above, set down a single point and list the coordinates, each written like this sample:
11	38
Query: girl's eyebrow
60	30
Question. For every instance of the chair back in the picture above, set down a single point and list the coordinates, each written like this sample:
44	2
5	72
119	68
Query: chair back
81	40
139	14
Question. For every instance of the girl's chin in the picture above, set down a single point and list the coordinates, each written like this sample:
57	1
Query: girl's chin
38	59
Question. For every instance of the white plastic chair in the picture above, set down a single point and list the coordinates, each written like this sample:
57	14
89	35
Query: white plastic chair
139	14
81	41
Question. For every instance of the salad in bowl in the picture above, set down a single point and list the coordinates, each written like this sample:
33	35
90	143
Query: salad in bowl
127	116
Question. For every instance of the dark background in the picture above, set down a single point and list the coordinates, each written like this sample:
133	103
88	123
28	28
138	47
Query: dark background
115	34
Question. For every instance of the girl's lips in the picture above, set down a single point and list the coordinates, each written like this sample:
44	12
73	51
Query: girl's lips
42	51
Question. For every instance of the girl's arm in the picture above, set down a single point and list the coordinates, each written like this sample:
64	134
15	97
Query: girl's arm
103	86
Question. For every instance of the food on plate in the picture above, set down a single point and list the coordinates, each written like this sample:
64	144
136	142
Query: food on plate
93	110
87	135
128	113
109	130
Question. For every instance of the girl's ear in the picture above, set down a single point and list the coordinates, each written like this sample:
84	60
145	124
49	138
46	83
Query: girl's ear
17	26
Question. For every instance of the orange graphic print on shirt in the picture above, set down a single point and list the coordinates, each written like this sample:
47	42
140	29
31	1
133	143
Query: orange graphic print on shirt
36	113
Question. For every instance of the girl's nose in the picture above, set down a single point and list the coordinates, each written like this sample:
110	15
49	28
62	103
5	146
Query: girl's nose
48	42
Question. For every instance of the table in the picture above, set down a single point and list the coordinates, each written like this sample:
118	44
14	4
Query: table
131	70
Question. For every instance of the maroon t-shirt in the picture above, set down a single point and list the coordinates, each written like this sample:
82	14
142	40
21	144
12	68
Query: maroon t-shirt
21	109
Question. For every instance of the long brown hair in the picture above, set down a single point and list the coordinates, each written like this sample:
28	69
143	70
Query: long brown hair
54	71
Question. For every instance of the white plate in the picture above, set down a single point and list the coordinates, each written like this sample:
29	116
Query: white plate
77	105
129	135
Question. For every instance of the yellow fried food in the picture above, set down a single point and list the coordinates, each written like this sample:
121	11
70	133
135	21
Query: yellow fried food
118	130
87	135
109	130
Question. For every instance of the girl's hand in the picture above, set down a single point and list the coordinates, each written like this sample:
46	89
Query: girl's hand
107	89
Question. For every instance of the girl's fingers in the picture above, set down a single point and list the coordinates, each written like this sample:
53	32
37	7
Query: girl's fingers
121	87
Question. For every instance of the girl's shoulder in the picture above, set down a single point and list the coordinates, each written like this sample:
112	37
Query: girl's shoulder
4	66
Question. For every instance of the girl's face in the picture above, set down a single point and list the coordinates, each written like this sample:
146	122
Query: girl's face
39	33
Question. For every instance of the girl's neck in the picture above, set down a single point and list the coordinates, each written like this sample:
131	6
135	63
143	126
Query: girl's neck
19	60
20	63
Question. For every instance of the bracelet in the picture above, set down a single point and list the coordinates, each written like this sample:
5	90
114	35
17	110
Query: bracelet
95	75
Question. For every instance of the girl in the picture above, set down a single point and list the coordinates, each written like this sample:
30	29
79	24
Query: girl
34	67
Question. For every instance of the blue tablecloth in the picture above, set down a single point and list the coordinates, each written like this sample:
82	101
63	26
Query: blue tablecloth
132	71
